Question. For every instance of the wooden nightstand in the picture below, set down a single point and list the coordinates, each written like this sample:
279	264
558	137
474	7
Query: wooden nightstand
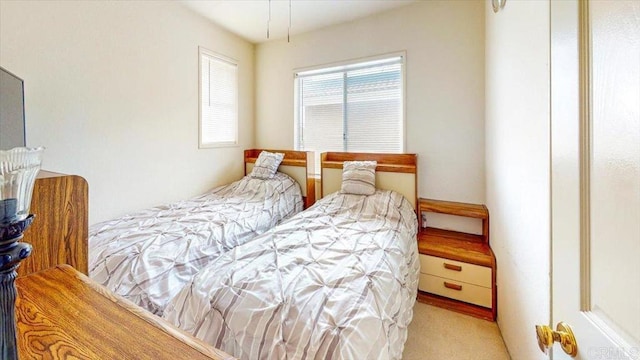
458	270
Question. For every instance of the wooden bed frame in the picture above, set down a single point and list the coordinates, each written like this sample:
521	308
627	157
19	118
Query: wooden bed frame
398	172
297	164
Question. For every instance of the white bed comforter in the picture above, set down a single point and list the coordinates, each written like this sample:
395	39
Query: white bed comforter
336	281
148	256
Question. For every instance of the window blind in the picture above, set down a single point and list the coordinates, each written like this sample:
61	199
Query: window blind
357	108
218	100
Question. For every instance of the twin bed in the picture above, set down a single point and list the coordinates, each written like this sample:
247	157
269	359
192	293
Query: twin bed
337	280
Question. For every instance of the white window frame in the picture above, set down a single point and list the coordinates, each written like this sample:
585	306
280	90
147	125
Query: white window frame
348	65
203	52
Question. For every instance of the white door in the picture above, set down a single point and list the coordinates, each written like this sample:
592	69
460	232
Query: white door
595	207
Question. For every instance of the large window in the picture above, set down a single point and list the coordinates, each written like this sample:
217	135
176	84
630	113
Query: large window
218	100
356	107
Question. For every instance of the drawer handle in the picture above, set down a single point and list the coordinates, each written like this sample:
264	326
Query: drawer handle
452	267
452	286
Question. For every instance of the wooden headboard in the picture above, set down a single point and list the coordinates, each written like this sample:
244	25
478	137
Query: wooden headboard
297	164
398	172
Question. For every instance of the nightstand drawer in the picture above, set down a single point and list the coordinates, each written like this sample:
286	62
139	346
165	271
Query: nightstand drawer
473	294
455	270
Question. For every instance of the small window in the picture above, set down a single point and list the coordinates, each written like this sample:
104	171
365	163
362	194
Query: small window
218	100
357	107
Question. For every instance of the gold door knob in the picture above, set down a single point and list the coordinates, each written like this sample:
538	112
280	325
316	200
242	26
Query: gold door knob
563	335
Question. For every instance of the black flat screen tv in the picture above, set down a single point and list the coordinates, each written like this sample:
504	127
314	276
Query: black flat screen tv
12	125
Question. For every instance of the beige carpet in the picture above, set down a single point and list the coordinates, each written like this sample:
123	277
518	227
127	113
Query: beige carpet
441	334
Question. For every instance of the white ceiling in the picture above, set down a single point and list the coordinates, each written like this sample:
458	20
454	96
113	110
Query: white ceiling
248	18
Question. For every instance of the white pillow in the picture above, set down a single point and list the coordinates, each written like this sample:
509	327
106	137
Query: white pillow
359	177
266	165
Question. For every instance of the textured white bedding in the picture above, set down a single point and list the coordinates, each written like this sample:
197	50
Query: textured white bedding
336	281
148	256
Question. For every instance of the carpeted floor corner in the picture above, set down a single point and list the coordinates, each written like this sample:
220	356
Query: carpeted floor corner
440	334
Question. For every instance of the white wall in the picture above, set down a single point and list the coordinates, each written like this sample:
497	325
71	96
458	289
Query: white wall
444	44
112	92
517	166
